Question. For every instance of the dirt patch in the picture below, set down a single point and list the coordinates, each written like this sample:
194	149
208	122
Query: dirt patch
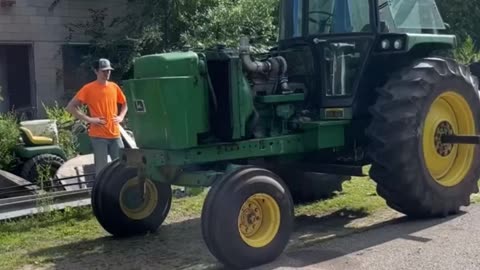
180	245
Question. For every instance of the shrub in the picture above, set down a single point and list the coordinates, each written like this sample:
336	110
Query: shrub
60	114
466	53
66	139
226	21
10	133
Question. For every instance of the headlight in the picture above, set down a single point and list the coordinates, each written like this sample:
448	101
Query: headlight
385	44
398	44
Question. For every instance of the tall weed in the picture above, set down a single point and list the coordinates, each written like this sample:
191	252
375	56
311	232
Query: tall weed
9	134
65	121
466	53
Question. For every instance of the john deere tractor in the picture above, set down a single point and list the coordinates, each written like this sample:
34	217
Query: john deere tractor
351	83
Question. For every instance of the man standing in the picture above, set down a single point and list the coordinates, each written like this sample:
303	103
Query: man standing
102	98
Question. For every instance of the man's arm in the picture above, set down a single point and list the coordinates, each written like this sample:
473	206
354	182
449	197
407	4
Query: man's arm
73	107
122	100
123	112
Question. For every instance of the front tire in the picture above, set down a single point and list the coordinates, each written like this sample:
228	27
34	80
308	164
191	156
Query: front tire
416	173
124	207
247	218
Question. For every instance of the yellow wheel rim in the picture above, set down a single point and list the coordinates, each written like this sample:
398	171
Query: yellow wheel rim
259	220
138	202
449	114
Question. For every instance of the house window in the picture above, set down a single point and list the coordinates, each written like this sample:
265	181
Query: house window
75	73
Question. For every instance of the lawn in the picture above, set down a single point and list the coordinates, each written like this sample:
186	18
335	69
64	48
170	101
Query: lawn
56	237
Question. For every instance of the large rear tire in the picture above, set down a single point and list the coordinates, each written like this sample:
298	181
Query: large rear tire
123	206
247	218
416	173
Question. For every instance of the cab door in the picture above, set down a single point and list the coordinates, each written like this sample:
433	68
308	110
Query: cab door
342	35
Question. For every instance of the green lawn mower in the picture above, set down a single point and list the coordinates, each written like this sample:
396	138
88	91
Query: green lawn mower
350	84
38	154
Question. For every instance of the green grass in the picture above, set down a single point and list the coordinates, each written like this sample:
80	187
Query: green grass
21	241
358	195
21	238
476	197
18	239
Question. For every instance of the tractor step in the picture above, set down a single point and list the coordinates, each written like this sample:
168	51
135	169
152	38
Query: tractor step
461	139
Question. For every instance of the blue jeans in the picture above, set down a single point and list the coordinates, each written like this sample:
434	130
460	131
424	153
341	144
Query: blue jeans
102	148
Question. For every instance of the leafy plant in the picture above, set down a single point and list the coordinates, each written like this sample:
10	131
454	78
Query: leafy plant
467	53
10	133
59	113
227	21
66	139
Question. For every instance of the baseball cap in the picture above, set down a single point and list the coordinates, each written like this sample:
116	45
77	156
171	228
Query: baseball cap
104	64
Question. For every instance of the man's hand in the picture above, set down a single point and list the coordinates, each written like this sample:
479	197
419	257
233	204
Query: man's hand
96	121
117	119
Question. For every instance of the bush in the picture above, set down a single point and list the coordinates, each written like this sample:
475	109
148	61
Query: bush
466	53
66	139
68	142
227	21
60	114
10	133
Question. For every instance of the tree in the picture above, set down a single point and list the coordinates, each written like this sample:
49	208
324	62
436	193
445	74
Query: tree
157	26
462	17
225	22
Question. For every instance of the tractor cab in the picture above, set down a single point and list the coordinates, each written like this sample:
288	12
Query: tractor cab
335	46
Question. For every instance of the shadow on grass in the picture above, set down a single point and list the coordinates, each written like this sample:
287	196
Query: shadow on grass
180	245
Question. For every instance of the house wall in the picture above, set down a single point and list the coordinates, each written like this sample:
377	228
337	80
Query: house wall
3	80
35	22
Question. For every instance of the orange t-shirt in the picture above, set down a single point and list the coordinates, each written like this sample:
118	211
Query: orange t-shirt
102	101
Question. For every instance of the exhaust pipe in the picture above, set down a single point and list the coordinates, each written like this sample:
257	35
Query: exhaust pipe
276	66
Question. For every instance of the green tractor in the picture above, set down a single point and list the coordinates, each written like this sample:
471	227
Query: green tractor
351	83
